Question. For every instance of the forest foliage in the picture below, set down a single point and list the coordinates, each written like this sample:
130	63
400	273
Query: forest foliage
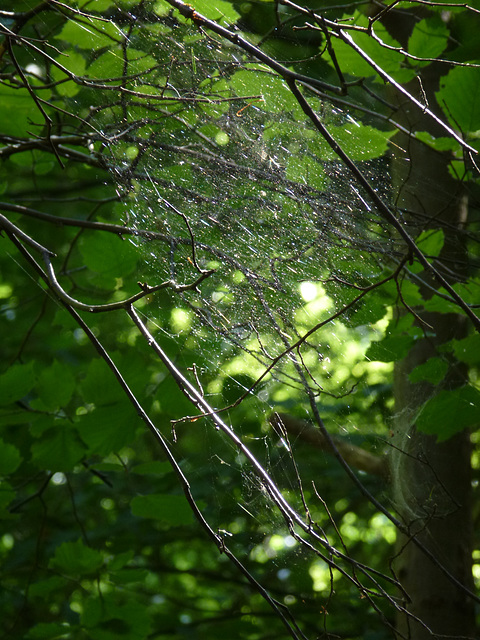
199	233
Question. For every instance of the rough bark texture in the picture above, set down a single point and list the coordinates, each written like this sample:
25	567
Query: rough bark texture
433	493
432	482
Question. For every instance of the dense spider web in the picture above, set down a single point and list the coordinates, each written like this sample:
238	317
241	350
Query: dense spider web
233	189
241	188
267	243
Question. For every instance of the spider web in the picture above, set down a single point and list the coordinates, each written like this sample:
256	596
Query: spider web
232	188
258	247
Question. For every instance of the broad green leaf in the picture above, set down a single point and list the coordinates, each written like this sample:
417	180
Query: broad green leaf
390	349
440	144
360	141
468	291
75	63
385	57
305	170
55	387
100	385
431	242
108	619
429	39
19	113
10	458
468	349
90	35
120	560
16	383
275	96
109	255
449	412
109	428
43	588
75	558
216	10
410	292
433	371
169	509
111	65
459	97
59	449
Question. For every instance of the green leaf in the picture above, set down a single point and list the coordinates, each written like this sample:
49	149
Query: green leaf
108	429
468	349
440	144
16	383
429	39
59	449
10	458
433	371
110	620
360	141
120	560
276	96
76	64
305	170
171	510
55	387
109	255
216	10
100	385
390	349
391	62
431	242
459	97
449	412
43	588
19	112
74	558
90	35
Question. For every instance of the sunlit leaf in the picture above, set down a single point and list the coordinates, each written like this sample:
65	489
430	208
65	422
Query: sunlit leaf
459	97
429	38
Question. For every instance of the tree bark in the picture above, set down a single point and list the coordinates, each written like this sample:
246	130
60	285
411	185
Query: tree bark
432	481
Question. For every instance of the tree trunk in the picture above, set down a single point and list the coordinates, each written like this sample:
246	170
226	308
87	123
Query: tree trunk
431	481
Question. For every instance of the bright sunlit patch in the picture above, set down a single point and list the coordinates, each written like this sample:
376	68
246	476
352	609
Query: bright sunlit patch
222	138
321	576
180	320
35	69
59	478
5	291
7	541
308	291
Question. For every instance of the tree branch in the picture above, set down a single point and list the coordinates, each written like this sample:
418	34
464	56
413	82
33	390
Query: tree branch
355	456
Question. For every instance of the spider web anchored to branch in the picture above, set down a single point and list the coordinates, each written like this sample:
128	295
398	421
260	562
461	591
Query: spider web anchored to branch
262	237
